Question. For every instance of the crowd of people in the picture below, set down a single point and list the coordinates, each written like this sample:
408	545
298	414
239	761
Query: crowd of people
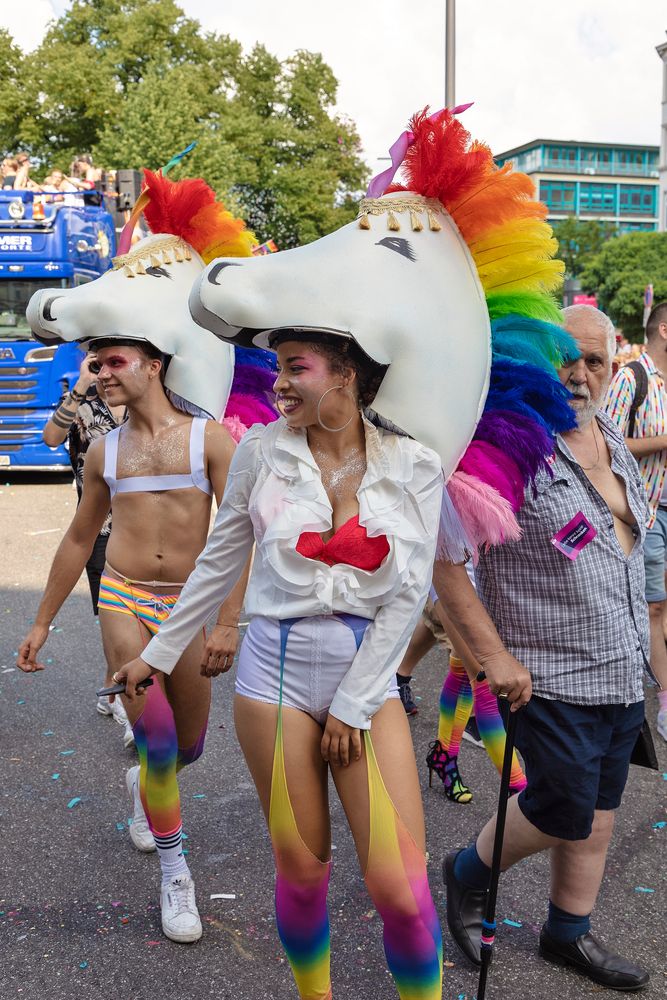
83	175
338	537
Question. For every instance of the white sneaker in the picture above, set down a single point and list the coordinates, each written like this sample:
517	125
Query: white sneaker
142	838
662	723
180	916
103	706
119	713
128	737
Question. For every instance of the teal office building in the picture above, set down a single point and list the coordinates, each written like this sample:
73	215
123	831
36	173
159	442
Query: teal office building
611	183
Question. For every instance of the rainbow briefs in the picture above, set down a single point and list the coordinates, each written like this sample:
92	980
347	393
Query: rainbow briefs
126	598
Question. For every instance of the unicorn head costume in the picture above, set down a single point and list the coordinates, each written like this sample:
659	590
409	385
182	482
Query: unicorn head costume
144	298
446	279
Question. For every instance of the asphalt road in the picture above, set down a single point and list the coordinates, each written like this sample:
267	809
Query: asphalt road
79	914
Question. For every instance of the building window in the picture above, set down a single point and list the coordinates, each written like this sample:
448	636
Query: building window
637	200
564	157
558	195
597	198
637	227
630	161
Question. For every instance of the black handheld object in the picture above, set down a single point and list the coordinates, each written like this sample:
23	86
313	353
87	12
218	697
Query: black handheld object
120	688
489	921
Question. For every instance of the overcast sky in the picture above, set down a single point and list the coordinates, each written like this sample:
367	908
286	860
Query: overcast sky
569	69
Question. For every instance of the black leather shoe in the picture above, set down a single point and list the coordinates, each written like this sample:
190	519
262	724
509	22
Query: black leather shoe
588	957
465	911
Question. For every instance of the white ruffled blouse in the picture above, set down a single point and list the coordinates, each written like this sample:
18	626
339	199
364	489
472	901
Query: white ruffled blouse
274	493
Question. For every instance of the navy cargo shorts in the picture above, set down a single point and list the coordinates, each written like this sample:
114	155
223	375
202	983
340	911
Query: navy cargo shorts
577	759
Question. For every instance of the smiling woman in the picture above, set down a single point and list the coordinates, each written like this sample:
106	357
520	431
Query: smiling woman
310	361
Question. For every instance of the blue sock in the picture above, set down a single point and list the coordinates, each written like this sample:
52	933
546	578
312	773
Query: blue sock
564	926
470	869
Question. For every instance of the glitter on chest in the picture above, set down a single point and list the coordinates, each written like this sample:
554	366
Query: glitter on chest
342	478
168	454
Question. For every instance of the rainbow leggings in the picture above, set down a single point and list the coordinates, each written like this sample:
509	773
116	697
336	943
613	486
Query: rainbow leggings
160	757
457	698
395	877
160	760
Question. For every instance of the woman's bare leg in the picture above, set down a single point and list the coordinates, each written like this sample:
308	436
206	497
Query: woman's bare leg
381	797
291	780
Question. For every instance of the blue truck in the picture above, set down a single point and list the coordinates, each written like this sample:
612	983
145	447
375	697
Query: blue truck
45	242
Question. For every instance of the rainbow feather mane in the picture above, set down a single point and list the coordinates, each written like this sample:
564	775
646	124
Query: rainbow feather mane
513	249
188	209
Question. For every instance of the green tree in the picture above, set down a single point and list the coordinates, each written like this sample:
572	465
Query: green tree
12	108
134	81
579	240
620	272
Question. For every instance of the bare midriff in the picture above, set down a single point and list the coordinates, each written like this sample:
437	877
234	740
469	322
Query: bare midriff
158	536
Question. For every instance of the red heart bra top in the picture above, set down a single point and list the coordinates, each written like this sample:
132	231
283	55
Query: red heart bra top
350	545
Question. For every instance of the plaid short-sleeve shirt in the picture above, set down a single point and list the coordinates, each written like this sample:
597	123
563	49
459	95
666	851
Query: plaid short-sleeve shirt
579	626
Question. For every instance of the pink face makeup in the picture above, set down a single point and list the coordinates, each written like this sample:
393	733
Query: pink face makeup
303	376
117	373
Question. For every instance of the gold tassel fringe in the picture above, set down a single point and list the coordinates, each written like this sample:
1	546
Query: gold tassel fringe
416	222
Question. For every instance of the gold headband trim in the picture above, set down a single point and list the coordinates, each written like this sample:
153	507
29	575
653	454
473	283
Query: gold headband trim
415	204
154	254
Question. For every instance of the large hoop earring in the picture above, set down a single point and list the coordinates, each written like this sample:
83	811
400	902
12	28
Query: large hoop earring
332	430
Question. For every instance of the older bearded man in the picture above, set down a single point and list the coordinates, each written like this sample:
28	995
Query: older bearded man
567	601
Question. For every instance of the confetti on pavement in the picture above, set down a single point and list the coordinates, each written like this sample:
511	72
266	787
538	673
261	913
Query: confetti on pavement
642	888
223	895
73	802
512	923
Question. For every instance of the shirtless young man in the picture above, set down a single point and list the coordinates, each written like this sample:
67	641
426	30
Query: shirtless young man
157	473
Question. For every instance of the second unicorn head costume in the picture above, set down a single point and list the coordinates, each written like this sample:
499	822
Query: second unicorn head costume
145	298
447	280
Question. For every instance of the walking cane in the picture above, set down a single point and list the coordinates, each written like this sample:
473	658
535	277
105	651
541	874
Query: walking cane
489	921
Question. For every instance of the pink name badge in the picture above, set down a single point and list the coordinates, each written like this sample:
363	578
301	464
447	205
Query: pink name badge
574	536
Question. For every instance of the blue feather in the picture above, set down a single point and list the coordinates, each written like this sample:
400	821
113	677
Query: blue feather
529	390
255	357
532	340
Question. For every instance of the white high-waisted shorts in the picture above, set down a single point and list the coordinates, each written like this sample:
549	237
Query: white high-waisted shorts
320	650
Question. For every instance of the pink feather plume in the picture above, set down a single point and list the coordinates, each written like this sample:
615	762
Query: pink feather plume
487	517
492	466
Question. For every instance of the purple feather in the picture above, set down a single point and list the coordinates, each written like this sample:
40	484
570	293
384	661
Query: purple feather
524	440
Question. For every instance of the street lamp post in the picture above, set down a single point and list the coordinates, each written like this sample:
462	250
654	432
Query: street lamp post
450	47
662	192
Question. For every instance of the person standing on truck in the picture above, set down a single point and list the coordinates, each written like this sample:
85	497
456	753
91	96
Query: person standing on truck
81	417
